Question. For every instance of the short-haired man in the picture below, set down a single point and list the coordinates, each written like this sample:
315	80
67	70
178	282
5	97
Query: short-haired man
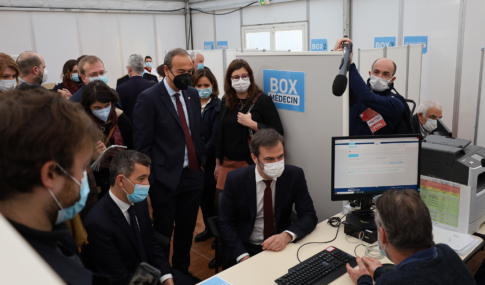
149	66
32	68
130	90
197	60
258	200
119	228
376	109
167	128
152	78
425	121
405	236
46	143
91	68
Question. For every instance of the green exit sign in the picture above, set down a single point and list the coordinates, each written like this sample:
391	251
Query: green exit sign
263	2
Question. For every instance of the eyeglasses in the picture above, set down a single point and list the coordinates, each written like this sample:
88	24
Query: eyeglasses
104	72
236	78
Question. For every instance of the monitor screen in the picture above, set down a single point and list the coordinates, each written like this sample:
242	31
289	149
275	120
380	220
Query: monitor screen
366	166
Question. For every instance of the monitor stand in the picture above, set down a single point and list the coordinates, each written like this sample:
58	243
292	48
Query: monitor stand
362	223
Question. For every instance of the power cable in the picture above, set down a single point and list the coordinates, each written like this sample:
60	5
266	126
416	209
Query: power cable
221	14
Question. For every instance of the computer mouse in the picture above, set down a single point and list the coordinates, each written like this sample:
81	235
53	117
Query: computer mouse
388	266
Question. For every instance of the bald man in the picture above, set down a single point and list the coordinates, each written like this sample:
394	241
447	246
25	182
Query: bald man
32	68
376	109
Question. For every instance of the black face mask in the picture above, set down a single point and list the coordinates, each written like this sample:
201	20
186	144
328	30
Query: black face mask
182	81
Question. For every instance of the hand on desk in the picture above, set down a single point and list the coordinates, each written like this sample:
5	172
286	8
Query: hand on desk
244	258
371	265
277	242
169	281
356	273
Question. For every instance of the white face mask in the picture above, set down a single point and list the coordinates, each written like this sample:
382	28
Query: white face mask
44	77
430	125
275	169
241	85
379	84
7	85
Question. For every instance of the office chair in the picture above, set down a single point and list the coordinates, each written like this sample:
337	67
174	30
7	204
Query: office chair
214	226
414	105
164	241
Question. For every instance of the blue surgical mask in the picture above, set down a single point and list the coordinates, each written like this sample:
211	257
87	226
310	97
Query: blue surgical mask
383	251
139	194
69	212
205	93
149	64
103	78
200	66
75	77
102	114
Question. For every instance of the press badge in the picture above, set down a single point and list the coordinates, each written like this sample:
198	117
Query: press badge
374	120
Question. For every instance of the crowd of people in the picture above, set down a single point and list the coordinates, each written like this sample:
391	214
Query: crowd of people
175	145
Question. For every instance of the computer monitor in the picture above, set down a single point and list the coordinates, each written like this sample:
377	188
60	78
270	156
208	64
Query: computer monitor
366	166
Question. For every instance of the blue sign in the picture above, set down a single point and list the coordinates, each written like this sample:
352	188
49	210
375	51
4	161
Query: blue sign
222	45
286	88
208	45
380	42
215	281
417	41
318	45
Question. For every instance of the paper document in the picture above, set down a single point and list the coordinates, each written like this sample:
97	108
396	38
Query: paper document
462	244
109	151
215	281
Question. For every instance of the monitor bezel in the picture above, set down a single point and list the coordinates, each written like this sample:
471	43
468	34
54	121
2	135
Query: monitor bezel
350	197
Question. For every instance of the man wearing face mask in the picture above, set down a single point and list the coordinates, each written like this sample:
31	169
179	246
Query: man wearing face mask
425	121
91	68
119	228
167	128
375	108
32	69
248	228
198	60
43	174
407	240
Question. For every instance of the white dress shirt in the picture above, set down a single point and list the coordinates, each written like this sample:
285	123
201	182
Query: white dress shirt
124	209
205	105
172	92
257	237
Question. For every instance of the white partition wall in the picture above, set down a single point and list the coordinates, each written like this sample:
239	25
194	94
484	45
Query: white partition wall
308	135
214	59
366	58
480	121
400	57
414	73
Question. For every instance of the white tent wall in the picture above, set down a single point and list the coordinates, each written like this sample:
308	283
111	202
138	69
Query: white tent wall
326	20
203	29
278	13
60	36
225	30
474	41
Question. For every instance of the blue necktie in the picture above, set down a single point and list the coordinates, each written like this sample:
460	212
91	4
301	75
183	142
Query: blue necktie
136	231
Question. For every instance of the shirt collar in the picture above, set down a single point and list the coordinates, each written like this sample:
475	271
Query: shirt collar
170	91
23	81
422	255
207	103
122	205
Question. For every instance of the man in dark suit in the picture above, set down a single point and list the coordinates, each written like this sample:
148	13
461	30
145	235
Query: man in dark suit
130	90
120	233
255	213
166	124
148	76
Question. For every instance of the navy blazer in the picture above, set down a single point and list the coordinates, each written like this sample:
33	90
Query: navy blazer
112	248
210	125
237	214
158	133
129	92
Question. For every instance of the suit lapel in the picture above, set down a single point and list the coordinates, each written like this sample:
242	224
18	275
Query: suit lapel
190	108
167	100
279	196
251	192
121	220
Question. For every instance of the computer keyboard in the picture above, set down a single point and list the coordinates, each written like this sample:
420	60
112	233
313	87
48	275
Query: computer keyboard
322	268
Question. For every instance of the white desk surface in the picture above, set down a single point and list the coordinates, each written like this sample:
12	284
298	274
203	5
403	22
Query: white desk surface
266	267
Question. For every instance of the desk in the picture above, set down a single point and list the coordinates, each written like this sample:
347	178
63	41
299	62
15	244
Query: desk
268	266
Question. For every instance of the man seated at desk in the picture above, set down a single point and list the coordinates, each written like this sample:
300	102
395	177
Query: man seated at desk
255	213
405	237
425	121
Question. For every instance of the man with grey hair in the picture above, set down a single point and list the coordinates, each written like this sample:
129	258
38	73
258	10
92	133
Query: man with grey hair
425	121
197	60
119	226
167	128
136	84
405	236
255	213
133	68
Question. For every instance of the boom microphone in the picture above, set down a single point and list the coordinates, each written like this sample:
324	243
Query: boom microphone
340	81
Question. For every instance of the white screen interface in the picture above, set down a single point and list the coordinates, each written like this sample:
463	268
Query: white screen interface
372	166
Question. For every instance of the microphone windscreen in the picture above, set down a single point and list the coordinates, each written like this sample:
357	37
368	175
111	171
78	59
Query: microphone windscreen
339	85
